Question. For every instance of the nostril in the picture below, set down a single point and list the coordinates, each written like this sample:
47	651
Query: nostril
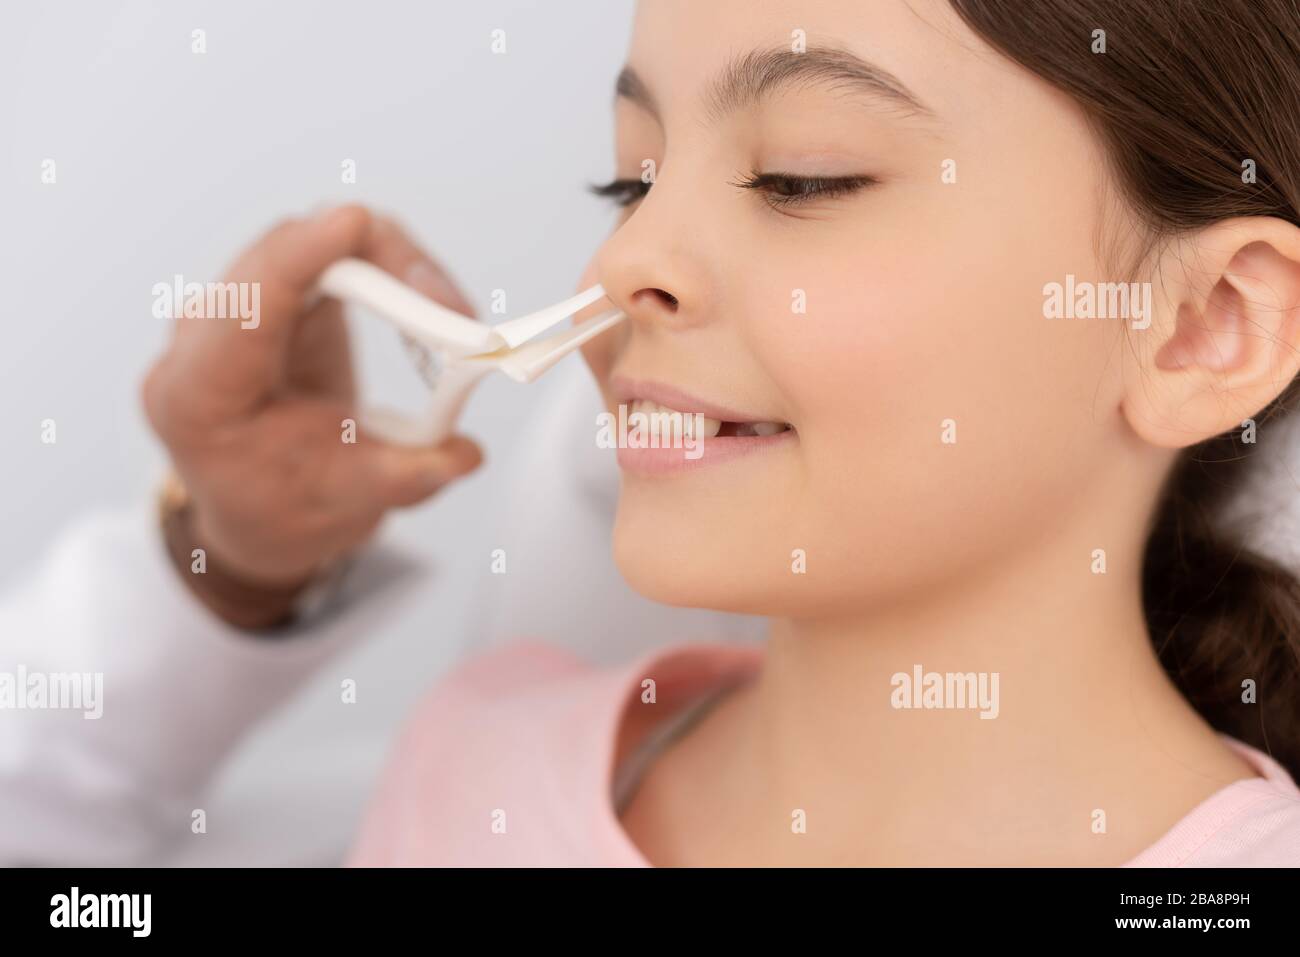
664	297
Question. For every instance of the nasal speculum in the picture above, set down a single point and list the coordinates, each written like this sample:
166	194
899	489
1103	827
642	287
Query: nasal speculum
452	352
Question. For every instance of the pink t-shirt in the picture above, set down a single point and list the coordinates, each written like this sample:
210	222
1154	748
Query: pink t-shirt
510	761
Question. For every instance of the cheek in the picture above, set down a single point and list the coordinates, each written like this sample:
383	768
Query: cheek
913	387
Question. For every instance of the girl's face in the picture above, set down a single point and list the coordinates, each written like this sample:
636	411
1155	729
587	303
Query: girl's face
854	240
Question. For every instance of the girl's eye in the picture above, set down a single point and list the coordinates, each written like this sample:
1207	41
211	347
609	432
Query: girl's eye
787	189
623	192
780	189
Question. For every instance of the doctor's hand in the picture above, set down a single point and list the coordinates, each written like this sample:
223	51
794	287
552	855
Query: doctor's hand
254	414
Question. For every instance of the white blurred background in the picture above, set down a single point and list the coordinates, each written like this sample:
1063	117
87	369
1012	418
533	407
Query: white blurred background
169	161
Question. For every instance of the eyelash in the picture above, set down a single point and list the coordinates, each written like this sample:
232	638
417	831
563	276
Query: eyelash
779	189
789	189
622	192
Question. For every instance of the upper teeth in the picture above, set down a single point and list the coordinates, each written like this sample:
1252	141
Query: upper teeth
661	419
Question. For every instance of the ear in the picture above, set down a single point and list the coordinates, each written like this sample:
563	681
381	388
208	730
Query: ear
1225	339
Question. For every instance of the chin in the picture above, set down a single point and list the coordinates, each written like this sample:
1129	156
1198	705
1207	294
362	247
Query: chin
667	559
692	563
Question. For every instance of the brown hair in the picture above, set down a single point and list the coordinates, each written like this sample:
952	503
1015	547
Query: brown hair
1184	93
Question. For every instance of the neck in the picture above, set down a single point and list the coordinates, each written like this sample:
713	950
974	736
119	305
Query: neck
1084	714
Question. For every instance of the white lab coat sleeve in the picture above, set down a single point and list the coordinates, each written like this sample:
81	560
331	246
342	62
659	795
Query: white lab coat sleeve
178	688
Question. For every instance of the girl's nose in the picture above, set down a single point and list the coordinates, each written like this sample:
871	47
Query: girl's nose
653	268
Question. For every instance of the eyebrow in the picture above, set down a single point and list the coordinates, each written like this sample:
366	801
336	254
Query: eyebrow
759	74
632	88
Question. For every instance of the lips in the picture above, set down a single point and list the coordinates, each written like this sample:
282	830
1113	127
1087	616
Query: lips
661	419
671	399
685	431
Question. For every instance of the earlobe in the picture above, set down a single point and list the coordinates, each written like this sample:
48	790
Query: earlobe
1230	337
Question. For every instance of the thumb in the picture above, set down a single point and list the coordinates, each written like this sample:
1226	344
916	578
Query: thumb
404	475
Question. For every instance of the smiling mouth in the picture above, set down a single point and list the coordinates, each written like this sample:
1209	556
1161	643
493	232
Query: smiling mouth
675	431
702	426
719	421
